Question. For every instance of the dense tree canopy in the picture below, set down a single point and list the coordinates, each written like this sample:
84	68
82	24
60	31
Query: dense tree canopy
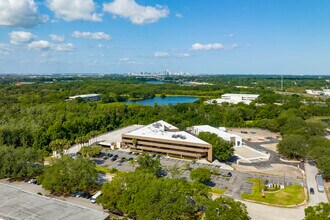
38	116
150	165
293	146
20	163
200	174
90	151
145	196
221	149
319	212
224	208
67	175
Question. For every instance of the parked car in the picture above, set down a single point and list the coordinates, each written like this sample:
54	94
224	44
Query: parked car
229	174
114	158
311	190
153	155
121	160
110	155
131	158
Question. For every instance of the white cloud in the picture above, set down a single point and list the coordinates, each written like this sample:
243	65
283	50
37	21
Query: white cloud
136	13
125	59
41	45
19	13
63	47
91	35
71	10
178	15
183	55
231	46
47	46
20	37
215	46
100	46
57	38
161	54
5	49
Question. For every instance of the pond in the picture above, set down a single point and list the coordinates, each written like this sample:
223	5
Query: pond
164	101
155	82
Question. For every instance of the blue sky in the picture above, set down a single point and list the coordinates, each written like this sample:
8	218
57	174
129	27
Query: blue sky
197	36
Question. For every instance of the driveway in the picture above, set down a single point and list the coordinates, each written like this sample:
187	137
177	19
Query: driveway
264	212
318	197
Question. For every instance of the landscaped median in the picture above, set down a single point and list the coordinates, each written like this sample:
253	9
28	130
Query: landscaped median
289	196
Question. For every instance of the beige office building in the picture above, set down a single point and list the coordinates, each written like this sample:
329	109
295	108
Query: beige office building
164	138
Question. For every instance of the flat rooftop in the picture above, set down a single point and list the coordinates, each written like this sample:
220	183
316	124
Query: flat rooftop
208	128
84	96
159	130
19	204
116	136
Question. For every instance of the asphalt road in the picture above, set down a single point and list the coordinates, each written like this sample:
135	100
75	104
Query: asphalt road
274	157
317	197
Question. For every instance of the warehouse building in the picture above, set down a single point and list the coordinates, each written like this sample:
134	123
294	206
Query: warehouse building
86	97
237	140
234	98
163	138
16	203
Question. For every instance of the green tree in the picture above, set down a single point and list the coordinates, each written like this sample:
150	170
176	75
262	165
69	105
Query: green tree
144	196
224	208
293	146
175	171
221	149
148	164
319	212
67	175
91	151
20	163
201	174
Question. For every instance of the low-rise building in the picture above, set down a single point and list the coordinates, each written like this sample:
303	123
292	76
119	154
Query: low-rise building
86	97
163	138
16	203
234	98
235	139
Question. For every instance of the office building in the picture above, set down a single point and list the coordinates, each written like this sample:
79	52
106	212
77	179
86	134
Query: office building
163	138
234	98
235	139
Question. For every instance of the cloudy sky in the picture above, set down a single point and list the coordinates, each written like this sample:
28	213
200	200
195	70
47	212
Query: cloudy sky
198	36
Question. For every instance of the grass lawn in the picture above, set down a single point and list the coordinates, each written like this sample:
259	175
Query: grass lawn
106	170
218	191
290	195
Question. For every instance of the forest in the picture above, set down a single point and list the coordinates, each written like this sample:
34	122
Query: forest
39	116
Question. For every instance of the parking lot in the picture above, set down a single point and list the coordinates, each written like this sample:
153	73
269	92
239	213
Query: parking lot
233	181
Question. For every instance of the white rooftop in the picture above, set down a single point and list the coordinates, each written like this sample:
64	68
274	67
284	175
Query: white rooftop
84	96
19	204
242	95
220	133
158	130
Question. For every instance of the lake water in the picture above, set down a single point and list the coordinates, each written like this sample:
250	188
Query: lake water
164	101
155	82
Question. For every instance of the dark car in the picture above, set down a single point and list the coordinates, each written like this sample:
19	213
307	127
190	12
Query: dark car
121	160
129	159
154	155
311	190
110	155
114	158
229	174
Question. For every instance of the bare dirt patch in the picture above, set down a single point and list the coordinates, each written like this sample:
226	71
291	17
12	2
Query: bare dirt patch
276	170
254	134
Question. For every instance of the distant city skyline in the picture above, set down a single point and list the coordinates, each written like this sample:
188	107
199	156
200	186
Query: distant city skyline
122	36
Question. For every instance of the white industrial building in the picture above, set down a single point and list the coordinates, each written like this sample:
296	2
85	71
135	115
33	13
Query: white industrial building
234	98
237	140
86	97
